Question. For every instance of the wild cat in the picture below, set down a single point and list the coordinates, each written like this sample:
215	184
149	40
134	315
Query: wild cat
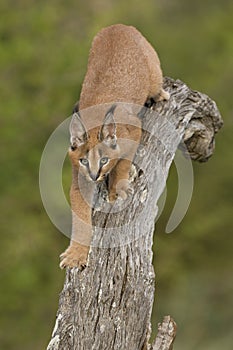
122	67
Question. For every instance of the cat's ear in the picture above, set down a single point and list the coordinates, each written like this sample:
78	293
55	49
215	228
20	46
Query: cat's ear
78	133
108	130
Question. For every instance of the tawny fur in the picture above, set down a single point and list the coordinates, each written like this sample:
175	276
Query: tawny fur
122	67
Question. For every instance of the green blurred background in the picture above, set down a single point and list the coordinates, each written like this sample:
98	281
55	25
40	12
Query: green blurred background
43	55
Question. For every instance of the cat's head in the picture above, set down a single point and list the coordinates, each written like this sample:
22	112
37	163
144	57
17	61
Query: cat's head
95	152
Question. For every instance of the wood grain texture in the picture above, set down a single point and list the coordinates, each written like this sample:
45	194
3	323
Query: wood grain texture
108	305
166	335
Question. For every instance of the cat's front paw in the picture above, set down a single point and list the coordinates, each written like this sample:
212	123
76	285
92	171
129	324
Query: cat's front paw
122	191
74	256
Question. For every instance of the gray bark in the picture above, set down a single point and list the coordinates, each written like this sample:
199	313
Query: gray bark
108	305
166	335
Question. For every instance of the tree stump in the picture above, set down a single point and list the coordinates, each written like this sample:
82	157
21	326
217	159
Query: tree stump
108	305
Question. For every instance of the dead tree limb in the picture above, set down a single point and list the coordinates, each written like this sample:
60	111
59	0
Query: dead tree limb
166	335
108	305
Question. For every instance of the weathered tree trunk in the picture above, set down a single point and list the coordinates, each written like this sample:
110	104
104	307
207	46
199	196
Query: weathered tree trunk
108	305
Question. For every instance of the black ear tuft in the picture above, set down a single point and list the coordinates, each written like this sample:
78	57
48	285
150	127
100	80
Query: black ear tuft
76	107
111	110
78	133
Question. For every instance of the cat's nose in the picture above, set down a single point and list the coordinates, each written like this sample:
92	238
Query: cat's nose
94	176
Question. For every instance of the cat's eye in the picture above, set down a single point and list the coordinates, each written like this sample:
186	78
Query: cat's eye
103	160
84	161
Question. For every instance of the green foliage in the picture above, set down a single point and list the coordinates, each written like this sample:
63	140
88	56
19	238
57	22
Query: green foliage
43	56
